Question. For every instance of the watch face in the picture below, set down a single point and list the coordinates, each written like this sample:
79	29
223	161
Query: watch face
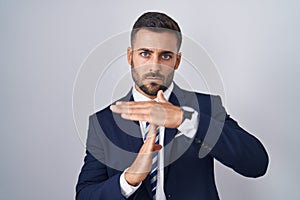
187	114
189	109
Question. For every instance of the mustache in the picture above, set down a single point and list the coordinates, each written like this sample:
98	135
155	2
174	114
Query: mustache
154	75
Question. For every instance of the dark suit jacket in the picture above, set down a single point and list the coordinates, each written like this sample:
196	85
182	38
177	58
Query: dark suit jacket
113	143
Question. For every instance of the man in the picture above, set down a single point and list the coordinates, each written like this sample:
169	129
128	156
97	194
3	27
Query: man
159	141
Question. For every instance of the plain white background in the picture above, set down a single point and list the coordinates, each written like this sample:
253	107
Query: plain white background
255	45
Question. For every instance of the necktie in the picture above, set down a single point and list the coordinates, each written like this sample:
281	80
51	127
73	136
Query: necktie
153	173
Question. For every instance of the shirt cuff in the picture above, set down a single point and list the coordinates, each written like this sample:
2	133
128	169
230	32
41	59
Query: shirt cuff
126	189
189	126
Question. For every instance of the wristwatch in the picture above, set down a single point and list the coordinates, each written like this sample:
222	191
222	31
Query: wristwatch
187	113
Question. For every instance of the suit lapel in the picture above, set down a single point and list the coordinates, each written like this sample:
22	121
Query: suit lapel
134	138
175	96
176	99
131	128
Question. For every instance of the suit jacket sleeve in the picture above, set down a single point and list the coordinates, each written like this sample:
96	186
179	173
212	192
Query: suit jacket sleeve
94	181
226	141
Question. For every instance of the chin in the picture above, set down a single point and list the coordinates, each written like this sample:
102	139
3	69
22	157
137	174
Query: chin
152	89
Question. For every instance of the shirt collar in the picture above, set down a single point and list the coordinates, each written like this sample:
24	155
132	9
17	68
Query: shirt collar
137	96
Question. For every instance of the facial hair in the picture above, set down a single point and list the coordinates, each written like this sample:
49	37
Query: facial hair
147	90
152	88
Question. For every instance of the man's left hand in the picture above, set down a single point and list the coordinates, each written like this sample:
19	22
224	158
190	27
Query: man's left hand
161	113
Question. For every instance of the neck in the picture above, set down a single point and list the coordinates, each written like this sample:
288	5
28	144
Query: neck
143	93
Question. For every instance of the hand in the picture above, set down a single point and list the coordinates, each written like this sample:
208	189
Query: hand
141	166
161	113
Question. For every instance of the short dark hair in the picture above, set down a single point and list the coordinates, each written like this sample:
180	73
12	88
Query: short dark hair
158	22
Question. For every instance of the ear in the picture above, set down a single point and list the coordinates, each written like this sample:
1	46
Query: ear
178	60
129	55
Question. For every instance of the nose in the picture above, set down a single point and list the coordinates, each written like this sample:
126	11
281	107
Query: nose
154	62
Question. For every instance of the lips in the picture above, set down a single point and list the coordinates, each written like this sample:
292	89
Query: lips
153	79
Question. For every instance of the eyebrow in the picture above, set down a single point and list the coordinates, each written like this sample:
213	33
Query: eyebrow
151	51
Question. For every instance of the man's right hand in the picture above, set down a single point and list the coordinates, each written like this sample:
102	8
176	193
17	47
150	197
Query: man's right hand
141	166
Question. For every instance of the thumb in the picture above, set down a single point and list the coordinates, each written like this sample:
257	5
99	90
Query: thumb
161	97
157	147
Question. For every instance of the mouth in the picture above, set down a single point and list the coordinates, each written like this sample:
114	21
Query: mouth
153	78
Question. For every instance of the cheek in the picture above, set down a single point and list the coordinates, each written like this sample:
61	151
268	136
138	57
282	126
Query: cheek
167	69
137	60
169	64
137	73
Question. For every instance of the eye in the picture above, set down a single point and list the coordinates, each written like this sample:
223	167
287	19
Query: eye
166	56
144	54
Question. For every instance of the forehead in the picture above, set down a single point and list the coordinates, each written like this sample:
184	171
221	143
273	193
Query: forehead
158	40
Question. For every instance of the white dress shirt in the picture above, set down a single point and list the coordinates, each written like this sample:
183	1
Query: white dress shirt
187	128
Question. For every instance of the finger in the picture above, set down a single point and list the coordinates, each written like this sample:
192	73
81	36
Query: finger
150	140
115	109
151	146
136	104
152	129
123	105
136	117
138	107
151	136
153	114
144	117
126	109
161	97
157	147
